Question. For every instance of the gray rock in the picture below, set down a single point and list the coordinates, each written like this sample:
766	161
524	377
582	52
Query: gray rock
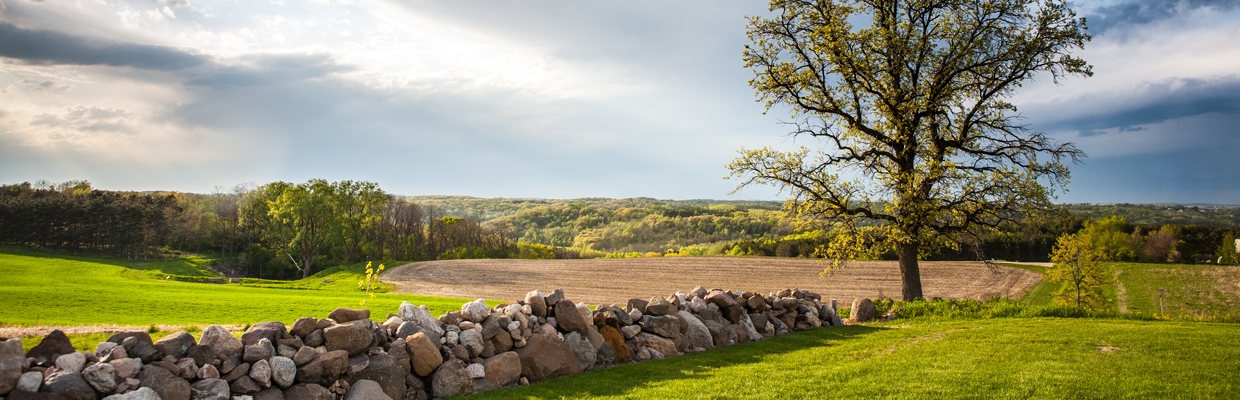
666	326
353	337
343	315
555	297
146	352
546	356
52	346
176	344
12	361
244	385
283	371
407	329
314	338
324	369
210	389
583	351
126	367
504	369
472	341
202	355
269	394
697	335
451	379
366	390
658	306
71	385
303	326
863	310
304	355
475	311
260	351
141	394
308	391
163	382
423	318
537	303
384	370
30	382
220	341
72	362
101	376
271	330
208	372
260	372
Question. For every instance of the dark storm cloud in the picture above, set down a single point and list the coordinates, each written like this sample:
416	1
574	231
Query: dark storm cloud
1145	104
268	69
1145	11
50	47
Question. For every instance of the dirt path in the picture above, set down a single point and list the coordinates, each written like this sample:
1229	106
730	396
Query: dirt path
616	280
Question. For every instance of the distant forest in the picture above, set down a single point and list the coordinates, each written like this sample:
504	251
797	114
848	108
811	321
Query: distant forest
285	230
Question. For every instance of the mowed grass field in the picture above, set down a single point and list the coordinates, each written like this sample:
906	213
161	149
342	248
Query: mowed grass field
45	288
1007	358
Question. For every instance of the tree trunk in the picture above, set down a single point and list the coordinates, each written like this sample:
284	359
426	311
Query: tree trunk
910	273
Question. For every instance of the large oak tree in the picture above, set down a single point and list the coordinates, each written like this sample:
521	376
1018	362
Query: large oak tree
909	99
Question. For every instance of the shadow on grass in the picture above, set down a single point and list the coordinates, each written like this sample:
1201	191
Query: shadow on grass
622	379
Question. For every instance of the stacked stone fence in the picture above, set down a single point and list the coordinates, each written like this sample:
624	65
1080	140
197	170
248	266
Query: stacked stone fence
412	355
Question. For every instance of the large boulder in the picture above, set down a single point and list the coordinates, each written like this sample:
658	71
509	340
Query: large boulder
666	326
210	389
568	319
555	297
101	376
51	347
260	372
583	351
259	351
721	298
537	303
72	362
546	356
366	390
224	344
342	315
12	361
504	369
308	391
418	315
303	326
176	344
353	337
283	371
324	369
658	306
271	330
382	369
863	310
664	345
126	367
697	335
471	339
451	379
71	385
163	382
475	311
757	303
424	356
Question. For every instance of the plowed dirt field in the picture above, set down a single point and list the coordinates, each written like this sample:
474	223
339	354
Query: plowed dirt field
616	280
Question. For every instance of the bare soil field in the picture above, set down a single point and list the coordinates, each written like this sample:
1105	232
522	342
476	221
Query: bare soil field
606	281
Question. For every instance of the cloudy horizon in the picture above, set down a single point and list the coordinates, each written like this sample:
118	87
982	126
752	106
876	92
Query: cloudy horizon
535	100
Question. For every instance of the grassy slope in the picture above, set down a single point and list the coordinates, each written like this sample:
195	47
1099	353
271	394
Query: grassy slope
996	358
1202	290
55	289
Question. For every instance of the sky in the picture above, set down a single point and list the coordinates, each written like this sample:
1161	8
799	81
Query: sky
536	99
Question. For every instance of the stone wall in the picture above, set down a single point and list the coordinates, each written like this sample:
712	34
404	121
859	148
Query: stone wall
412	355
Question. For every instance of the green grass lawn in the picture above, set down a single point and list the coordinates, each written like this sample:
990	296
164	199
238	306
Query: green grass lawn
49	288
1198	290
927	358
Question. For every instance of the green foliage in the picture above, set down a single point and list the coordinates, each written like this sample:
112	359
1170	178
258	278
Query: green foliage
1108	236
1079	262
929	149
1229	252
535	251
1163	214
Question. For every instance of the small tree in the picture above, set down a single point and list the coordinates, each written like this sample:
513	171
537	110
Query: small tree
1078	261
1160	245
1229	251
368	282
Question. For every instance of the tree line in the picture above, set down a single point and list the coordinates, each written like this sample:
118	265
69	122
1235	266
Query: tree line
278	230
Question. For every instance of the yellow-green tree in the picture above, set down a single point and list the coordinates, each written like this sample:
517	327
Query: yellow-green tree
911	108
1078	261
